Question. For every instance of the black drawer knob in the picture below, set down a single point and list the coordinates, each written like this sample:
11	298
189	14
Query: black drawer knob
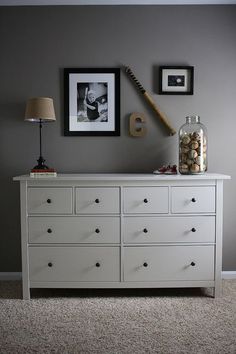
193	200
97	200
97	231
145	264
145	200
49	231
193	229
145	230
49	201
97	264
193	264
50	264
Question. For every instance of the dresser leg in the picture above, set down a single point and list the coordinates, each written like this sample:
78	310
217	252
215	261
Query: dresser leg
26	293
217	290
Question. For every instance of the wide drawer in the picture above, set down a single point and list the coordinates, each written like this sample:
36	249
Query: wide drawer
169	229
79	229
165	263
144	200
49	200
98	200
74	264
193	199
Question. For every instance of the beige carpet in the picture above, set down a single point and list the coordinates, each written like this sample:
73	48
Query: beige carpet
161	321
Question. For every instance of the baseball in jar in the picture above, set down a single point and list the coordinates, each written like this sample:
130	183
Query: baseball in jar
192	147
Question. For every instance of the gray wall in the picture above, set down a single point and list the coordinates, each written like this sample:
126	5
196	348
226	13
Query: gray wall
38	42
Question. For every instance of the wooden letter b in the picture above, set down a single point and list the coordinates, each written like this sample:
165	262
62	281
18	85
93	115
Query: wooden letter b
136	125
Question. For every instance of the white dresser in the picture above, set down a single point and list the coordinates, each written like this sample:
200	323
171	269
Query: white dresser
121	231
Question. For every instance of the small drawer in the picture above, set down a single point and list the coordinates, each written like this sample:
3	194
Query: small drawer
166	263
96	264
49	200
69	229
169	229
193	199
145	200
97	200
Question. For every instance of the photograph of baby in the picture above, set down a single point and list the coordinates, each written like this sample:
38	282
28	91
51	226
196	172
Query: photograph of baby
92	102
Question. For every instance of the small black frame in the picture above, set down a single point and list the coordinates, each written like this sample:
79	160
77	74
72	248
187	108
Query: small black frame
176	80
92	101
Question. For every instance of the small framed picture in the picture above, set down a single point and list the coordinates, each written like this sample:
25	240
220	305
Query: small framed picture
92	102
176	80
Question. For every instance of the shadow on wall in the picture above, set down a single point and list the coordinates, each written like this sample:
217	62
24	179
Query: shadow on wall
12	133
11	129
12	111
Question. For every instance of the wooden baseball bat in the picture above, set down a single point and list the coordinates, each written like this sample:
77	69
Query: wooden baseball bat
150	100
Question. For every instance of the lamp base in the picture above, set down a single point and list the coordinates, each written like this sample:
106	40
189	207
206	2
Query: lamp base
40	165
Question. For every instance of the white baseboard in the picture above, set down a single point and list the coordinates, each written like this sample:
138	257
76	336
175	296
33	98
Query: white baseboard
228	275
18	275
10	276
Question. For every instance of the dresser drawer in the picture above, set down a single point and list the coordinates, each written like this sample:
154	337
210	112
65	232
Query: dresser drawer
166	263
74	264
143	200
193	199
151	229
97	200
80	229
49	200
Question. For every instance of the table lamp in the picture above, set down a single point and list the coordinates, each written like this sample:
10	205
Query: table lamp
40	110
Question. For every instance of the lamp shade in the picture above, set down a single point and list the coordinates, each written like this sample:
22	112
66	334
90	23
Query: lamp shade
40	109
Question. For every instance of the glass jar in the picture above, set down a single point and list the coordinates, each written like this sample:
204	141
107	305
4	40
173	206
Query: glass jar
192	147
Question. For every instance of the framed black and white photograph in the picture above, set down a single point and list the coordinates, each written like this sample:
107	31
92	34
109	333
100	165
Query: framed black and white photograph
92	102
176	80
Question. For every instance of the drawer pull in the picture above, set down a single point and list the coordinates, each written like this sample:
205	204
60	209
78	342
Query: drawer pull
145	230
193	264
50	264
97	201
193	229
97	231
49	231
145	264
97	265
193	200
49	201
145	200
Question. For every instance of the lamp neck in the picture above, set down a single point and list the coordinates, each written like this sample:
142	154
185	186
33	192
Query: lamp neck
41	165
40	137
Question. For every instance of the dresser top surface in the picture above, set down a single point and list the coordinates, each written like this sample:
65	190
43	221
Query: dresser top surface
123	177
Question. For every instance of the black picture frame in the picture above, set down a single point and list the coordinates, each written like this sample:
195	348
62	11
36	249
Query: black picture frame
176	80
101	115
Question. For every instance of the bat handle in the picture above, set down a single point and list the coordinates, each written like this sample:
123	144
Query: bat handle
160	114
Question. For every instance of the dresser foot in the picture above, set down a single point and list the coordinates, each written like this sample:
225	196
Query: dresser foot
217	291
26	294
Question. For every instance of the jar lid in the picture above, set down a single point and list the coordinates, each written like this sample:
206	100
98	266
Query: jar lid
193	119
